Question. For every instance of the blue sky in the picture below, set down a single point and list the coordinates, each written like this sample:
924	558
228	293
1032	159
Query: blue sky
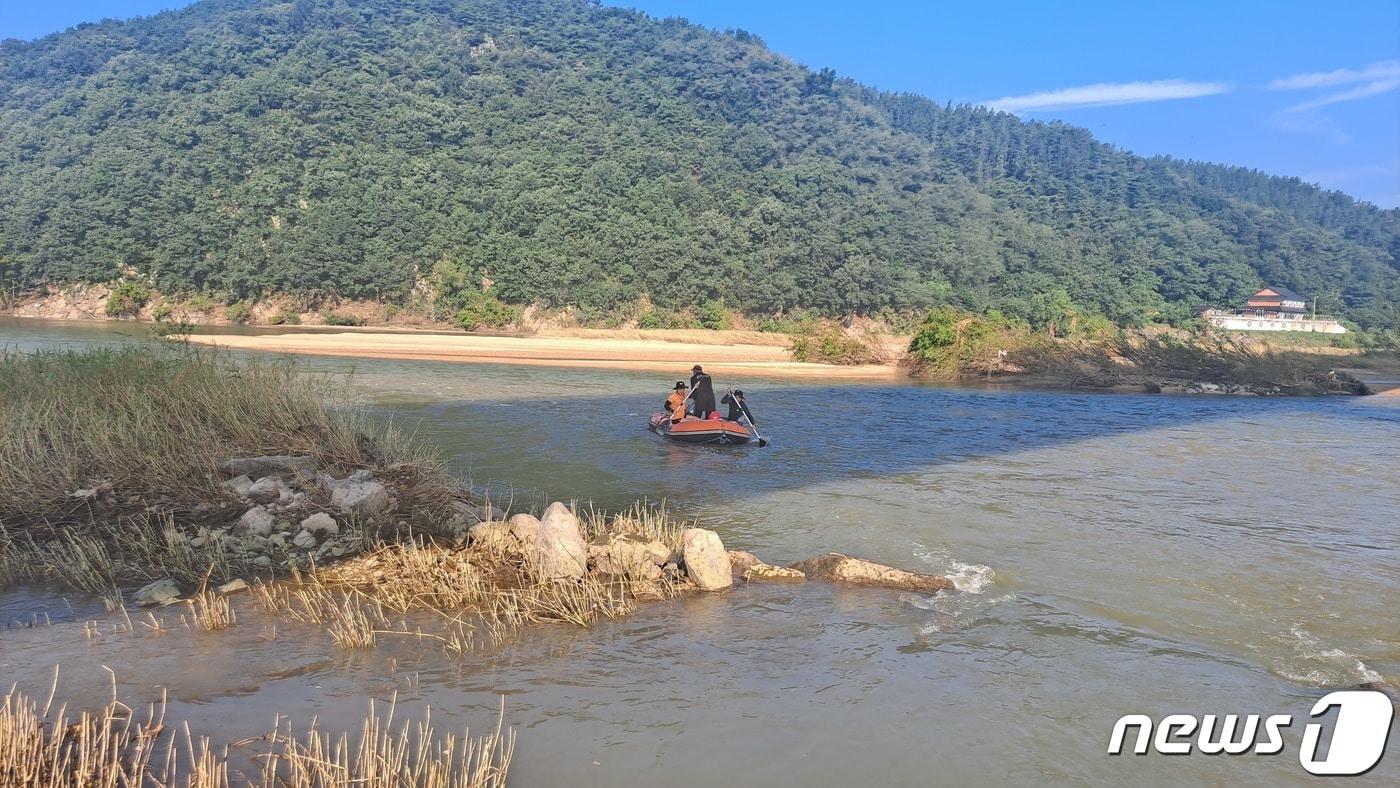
1295	88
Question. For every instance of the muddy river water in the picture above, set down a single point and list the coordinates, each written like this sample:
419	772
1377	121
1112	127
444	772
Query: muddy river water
1115	554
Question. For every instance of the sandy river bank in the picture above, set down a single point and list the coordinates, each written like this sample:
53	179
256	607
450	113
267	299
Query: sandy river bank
735	359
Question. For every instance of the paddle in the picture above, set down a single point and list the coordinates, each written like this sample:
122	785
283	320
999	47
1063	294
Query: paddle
744	406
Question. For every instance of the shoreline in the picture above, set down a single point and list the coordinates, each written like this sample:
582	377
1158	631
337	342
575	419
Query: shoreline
643	354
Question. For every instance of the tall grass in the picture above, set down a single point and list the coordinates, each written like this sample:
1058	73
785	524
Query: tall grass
115	747
154	422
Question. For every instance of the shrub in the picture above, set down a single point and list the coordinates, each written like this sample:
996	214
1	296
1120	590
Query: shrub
127	298
950	342
333	318
484	310
160	312
289	317
714	316
200	302
830	344
238	312
650	319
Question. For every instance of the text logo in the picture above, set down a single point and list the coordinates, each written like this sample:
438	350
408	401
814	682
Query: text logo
1357	739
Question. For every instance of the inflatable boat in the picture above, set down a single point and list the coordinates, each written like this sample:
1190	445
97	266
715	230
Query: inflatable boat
693	430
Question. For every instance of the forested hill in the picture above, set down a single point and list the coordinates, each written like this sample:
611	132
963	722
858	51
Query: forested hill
577	154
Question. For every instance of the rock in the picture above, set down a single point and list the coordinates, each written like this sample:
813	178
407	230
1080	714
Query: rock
255	522
767	573
741	560
239	484
83	495
161	592
525	529
263	562
1384	687
233	586
561	552
277	540
320	523
706	562
837	568
472	514
304	539
361	475
492	535
367	497
268	489
258	467
629	555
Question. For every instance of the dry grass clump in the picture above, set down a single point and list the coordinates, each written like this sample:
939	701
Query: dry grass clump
143	424
466	592
392	755
112	748
642	518
96	558
210	611
109	748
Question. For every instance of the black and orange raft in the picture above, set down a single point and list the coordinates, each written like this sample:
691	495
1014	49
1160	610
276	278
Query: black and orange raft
693	430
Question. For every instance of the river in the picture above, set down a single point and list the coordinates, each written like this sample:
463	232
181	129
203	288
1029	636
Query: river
1115	554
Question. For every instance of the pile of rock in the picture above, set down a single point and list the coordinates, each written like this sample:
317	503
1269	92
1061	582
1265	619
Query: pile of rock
554	547
296	514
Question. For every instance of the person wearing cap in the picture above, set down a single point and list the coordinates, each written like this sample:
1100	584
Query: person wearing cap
702	393
675	404
738	407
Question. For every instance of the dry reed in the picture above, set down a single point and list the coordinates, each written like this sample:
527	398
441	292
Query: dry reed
114	747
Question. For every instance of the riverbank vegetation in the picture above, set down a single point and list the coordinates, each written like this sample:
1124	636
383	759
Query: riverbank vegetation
85	432
951	345
119	745
330	152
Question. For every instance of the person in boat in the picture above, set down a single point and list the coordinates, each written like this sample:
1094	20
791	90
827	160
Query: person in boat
738	407
675	404
702	393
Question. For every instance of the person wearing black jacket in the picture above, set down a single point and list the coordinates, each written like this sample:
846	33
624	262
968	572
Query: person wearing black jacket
737	407
702	393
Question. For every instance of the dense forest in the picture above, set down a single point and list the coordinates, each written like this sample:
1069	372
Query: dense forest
589	156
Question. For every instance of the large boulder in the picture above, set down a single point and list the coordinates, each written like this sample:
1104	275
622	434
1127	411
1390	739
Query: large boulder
837	568
257	521
629	555
258	467
161	592
706	562
364	497
561	552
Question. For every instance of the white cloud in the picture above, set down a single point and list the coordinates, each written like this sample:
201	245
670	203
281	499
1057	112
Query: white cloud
1365	91
1382	70
1376	79
1107	94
